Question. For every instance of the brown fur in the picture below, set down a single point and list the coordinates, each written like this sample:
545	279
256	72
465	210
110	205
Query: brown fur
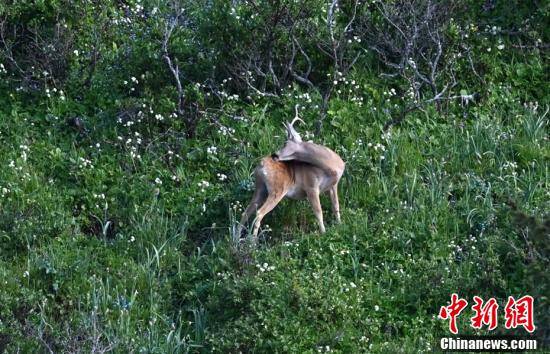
299	170
296	180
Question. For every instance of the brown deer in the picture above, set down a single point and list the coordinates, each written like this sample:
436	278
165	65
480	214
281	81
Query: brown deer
299	170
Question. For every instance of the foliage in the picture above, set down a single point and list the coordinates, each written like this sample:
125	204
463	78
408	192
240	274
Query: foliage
119	187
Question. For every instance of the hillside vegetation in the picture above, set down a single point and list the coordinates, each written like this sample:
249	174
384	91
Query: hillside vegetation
129	132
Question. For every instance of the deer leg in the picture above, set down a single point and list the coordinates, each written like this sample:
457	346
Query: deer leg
270	203
258	199
335	203
313	197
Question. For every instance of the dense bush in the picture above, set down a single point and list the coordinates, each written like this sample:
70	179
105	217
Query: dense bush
129	131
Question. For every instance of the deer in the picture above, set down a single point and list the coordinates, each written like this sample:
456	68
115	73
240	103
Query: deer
297	171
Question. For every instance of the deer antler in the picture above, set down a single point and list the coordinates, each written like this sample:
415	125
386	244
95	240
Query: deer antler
295	119
292	134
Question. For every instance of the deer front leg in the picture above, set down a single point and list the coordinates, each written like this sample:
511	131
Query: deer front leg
258	199
313	197
270	203
335	203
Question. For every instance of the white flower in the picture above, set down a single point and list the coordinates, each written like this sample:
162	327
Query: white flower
226	131
212	150
265	267
158	181
376	307
85	163
203	185
500	46
76	52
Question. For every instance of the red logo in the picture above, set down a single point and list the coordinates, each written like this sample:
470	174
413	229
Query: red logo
452	311
517	313
484	314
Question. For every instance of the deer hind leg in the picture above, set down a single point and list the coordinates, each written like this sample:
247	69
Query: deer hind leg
313	197
270	203
335	203
258	199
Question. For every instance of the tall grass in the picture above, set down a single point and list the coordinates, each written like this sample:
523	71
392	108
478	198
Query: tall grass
111	259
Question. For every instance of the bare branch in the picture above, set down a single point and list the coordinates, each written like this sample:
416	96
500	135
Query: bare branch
302	78
174	68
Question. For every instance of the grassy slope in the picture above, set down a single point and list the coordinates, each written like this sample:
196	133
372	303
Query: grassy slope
428	219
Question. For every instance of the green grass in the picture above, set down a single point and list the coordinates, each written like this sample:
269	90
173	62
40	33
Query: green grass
105	257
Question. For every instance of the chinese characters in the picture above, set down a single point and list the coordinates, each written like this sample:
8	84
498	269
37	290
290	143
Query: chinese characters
516	313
